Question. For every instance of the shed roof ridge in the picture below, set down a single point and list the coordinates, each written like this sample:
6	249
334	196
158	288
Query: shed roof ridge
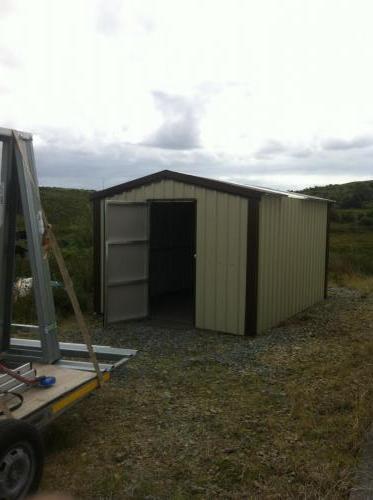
244	190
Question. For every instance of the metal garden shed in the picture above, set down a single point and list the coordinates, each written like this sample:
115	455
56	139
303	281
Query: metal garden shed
217	255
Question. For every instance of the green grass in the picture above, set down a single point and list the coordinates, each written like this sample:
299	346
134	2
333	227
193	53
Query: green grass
179	424
351	252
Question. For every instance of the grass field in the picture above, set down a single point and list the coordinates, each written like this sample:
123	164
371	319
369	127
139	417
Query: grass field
203	415
351	257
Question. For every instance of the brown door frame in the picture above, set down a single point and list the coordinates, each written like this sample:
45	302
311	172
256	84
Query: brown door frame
327	244
252	266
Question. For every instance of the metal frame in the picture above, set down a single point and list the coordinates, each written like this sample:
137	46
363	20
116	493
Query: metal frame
20	190
33	216
108	357
8	211
19	186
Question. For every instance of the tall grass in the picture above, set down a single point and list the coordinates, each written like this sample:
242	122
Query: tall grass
351	257
69	212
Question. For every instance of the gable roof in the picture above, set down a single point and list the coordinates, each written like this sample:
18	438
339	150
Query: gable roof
226	187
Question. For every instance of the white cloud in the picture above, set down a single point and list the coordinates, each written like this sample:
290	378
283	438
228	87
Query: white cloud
109	16
180	128
257	86
358	142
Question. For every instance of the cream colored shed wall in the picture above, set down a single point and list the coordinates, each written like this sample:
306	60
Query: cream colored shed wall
221	251
292	239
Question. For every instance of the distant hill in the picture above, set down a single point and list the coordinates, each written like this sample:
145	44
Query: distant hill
349	195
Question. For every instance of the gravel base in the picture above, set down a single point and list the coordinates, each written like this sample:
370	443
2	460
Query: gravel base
238	353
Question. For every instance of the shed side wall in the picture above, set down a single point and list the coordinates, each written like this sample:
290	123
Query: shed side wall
292	242
221	251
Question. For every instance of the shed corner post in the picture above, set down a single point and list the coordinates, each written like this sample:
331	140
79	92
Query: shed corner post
327	244
252	266
97	258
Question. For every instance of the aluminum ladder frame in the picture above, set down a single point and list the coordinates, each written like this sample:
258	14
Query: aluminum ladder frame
19	189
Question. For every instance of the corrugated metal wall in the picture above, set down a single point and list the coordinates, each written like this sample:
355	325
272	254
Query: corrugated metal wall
292	238
221	251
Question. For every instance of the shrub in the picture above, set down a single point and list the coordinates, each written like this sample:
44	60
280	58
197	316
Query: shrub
366	220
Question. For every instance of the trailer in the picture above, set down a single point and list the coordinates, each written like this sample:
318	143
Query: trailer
40	378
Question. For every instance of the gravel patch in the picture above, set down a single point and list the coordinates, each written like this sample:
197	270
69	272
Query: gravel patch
234	352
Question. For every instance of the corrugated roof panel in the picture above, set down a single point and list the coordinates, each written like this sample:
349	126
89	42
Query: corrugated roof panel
243	190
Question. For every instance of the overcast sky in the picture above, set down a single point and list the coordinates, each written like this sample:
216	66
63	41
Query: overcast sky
269	92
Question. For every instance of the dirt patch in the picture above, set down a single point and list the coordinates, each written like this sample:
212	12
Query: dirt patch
204	415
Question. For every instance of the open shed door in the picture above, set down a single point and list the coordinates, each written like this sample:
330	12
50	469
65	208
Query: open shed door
126	261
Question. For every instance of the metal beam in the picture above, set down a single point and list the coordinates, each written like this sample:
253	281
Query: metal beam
18	327
72	349
33	218
9	198
7	133
87	366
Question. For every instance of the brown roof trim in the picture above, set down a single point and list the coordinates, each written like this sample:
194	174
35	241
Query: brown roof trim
252	267
327	245
224	187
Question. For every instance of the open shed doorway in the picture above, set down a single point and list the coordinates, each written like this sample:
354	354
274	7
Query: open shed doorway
172	261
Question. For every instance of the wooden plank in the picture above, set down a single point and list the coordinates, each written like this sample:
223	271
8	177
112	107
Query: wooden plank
69	287
66	380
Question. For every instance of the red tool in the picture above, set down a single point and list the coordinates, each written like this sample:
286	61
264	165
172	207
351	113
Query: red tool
42	381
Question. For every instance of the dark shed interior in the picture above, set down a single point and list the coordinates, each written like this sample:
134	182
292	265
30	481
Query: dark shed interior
172	261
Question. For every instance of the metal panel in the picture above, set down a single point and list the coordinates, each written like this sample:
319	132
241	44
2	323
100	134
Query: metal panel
220	250
73	349
9	195
86	366
125	302
291	253
7	133
126	221
127	262
32	212
19	183
292	240
127	256
244	191
28	349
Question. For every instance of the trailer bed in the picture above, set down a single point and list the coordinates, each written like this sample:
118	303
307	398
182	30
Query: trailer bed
41	405
75	378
